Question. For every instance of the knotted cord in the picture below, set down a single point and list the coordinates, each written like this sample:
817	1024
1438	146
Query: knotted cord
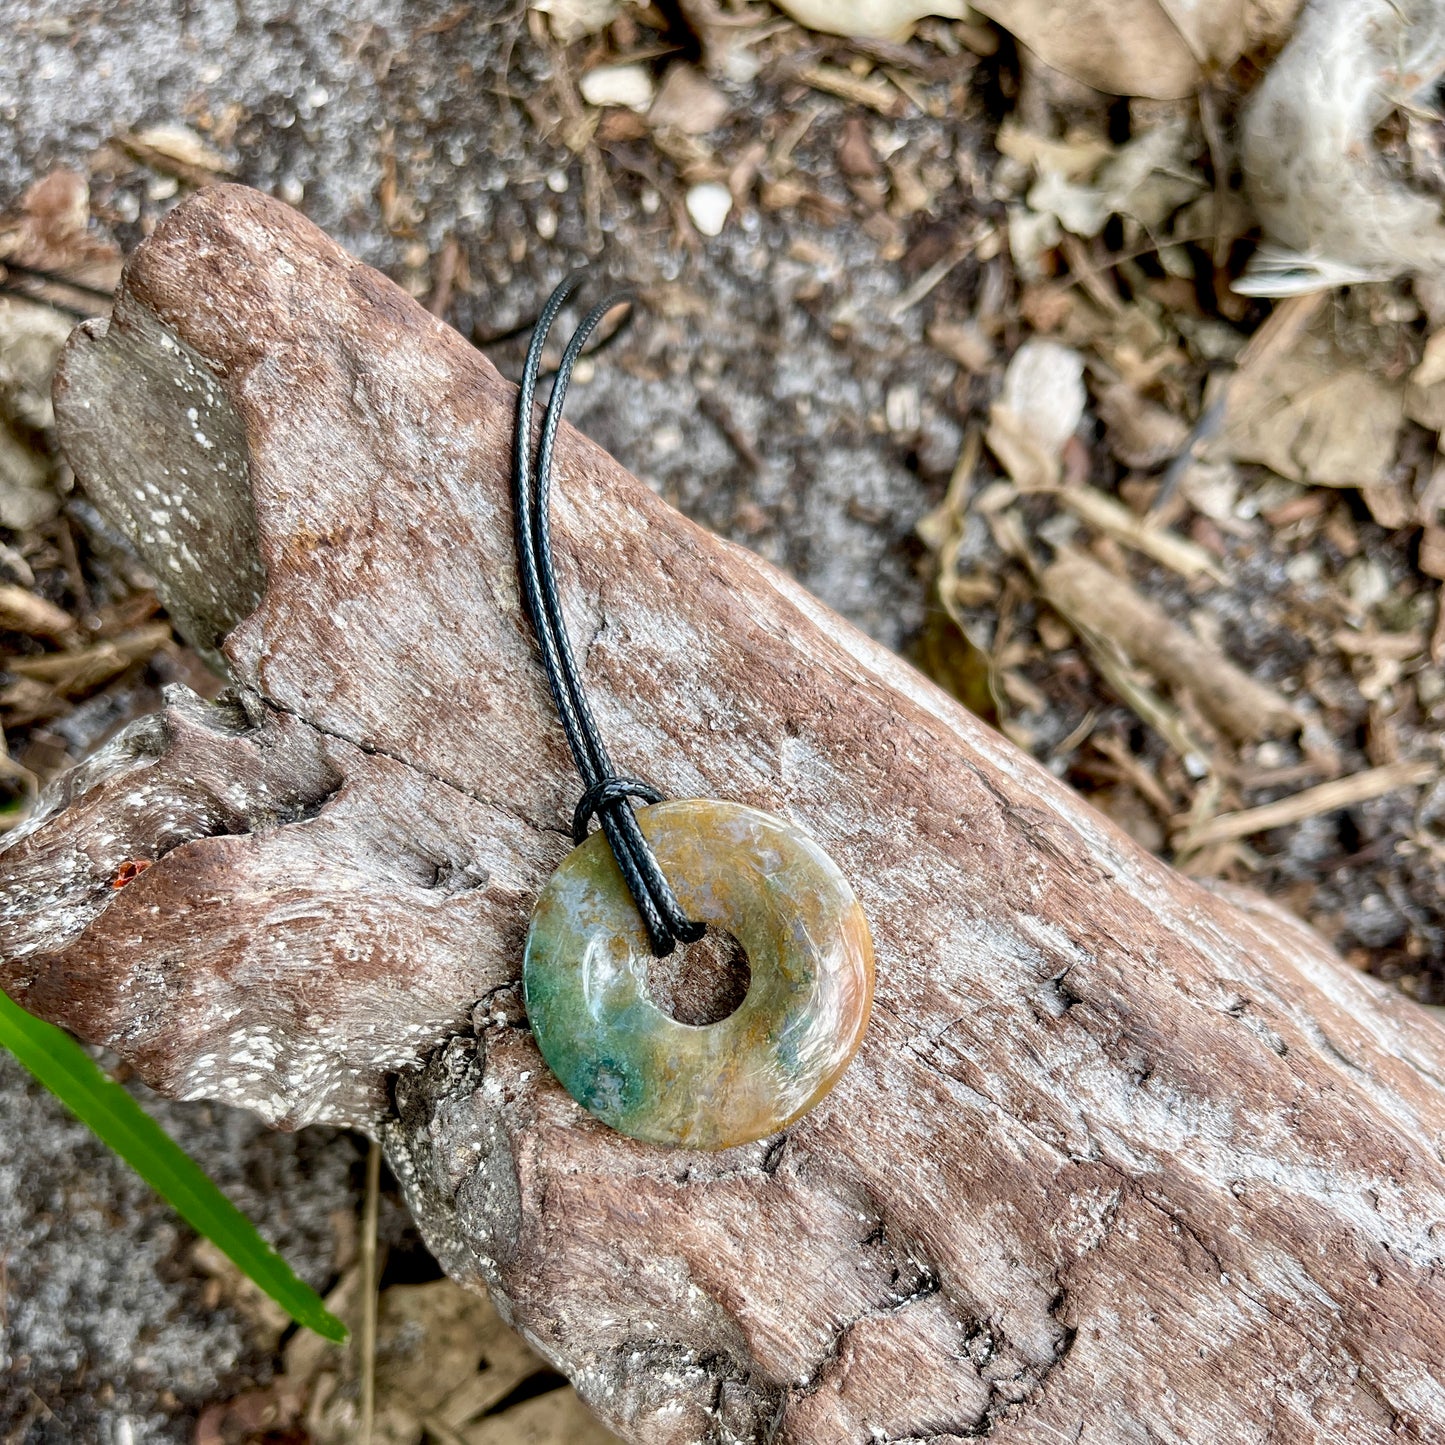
607	794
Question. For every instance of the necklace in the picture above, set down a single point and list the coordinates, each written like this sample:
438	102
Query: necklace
654	877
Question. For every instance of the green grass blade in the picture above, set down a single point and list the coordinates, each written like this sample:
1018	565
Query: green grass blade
97	1100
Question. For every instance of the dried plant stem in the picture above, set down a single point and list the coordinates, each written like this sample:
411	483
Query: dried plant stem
1092	597
1338	793
1115	520
366	1341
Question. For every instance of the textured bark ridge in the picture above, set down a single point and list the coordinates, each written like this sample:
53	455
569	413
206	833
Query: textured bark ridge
1119	1160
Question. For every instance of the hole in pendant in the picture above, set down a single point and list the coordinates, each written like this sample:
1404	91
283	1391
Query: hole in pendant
701	983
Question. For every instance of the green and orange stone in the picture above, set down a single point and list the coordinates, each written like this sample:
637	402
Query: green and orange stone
748	1075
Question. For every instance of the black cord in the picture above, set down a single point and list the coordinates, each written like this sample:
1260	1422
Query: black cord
606	792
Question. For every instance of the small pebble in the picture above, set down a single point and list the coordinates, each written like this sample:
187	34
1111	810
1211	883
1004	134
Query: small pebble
629	86
1043	386
708	204
1212	488
1303	567
1367	580
903	409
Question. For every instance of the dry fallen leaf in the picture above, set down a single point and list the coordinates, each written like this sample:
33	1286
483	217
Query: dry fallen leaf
1425	390
570	20
870	19
1432	553
1316	419
965	341
1037	411
1426	404
1432	363
50	229
177	143
556	1418
31	336
1157	48
1076	157
433	1337
688	101
445	1362
1146	180
53	213
1142	434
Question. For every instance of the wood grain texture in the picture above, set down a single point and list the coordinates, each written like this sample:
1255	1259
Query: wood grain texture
1120	1159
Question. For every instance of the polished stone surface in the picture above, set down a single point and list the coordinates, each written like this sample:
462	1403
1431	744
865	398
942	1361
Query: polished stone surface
748	1075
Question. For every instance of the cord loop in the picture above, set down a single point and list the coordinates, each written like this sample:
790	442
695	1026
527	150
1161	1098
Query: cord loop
606	792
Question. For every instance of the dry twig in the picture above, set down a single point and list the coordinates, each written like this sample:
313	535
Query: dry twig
1326	798
1107	605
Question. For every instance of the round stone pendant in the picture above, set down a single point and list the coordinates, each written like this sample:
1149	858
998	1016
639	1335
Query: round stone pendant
725	1083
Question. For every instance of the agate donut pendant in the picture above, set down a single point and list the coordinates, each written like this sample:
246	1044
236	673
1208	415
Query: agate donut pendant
748	1075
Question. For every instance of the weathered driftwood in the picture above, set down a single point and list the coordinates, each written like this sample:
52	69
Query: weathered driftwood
1120	1160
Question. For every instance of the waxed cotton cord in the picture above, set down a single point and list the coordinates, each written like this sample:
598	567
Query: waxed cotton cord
607	793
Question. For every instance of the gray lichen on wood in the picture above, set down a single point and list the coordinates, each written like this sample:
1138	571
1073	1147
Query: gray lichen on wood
1119	1159
177	488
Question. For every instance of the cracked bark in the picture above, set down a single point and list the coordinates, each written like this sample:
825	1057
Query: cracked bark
1120	1158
